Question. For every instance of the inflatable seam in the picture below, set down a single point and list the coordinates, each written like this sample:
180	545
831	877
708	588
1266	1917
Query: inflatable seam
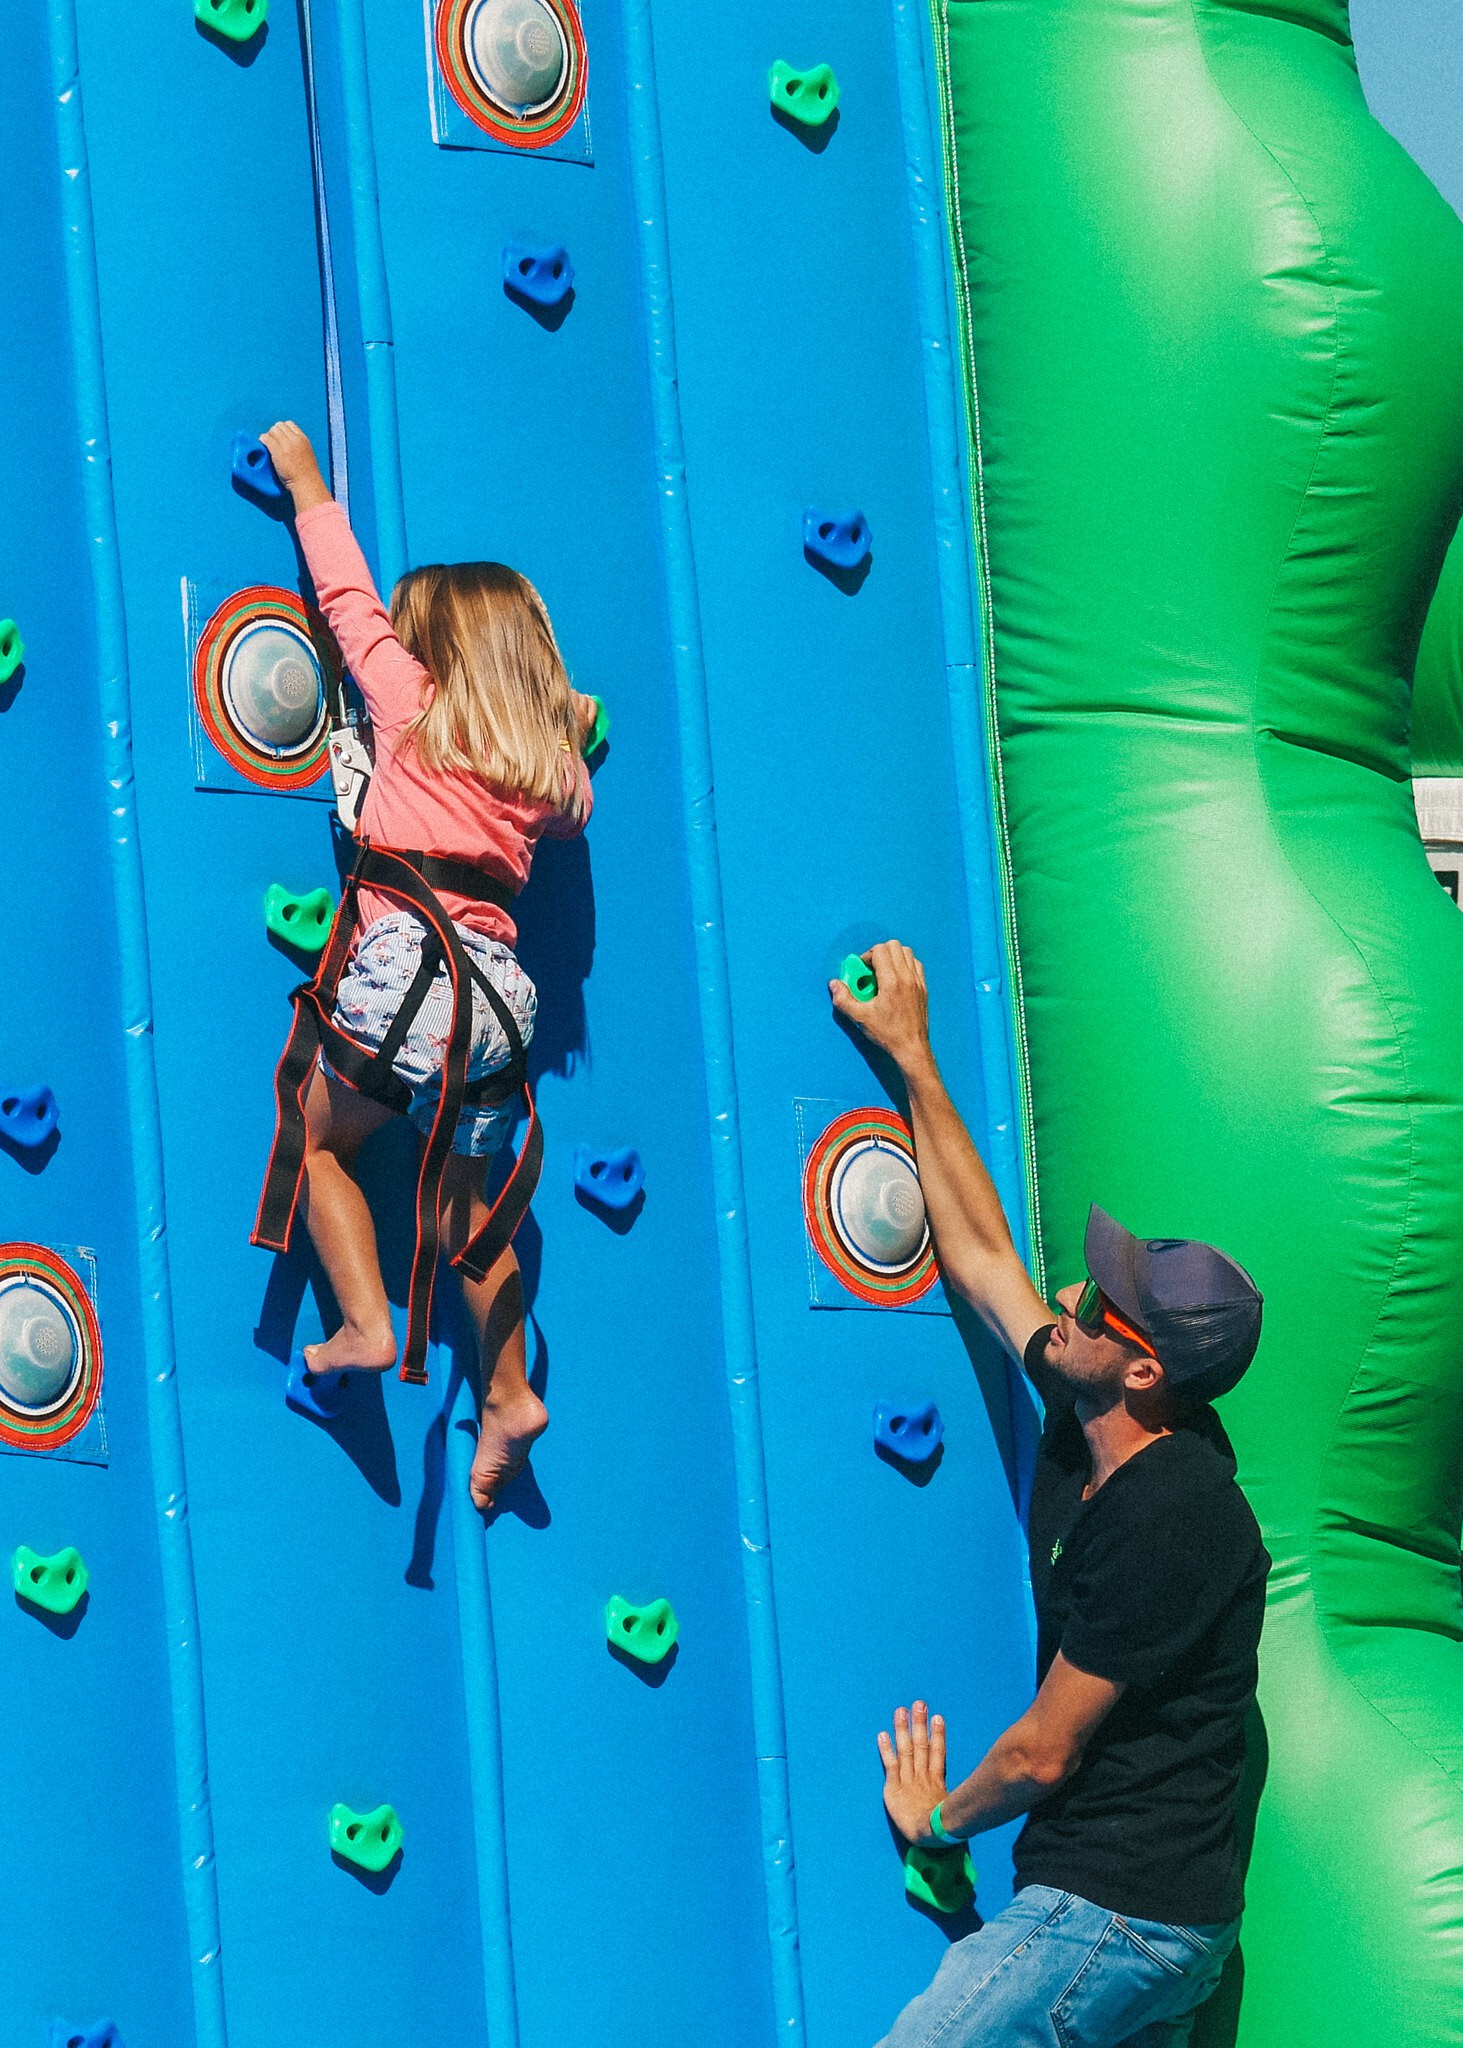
373	296
199	1881
471	1574
739	1333
960	611
995	763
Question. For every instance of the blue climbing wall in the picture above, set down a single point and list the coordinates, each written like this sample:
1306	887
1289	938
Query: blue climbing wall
91	1844
760	323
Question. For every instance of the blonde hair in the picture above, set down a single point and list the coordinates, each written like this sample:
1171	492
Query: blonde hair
500	706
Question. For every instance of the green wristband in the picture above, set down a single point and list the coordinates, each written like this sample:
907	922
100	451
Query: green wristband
938	1829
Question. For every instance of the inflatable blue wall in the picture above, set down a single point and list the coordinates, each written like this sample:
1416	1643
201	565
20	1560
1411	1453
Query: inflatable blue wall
280	1615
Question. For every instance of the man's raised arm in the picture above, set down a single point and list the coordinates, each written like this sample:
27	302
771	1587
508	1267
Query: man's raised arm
972	1236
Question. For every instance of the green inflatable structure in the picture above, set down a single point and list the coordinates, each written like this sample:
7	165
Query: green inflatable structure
1214	334
1437	694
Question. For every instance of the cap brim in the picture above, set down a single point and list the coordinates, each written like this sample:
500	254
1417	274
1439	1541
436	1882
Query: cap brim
1110	1252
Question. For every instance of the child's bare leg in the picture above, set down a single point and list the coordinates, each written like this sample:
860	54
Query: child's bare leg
337	1123
513	1416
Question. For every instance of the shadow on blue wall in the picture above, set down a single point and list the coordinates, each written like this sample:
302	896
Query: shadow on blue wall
556	920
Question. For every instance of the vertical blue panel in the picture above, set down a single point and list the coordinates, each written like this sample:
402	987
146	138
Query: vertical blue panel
635	1890
331	1655
363	1637
802	382
90	1858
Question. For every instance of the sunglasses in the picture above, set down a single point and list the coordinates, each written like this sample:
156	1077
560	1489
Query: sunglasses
1094	1314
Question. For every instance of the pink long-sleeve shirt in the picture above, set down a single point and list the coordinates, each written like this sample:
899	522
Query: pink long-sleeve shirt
451	812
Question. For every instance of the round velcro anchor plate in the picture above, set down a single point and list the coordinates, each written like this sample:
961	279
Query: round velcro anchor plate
517	68
50	1349
865	1210
258	681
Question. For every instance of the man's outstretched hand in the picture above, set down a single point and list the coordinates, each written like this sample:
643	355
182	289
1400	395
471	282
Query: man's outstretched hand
897	1017
914	1758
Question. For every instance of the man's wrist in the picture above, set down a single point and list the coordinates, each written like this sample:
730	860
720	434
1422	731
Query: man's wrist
940	1831
916	1064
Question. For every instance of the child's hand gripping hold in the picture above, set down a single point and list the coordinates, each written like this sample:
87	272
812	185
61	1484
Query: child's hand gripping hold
295	464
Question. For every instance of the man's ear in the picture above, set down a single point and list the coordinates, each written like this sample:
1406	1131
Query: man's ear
1144	1374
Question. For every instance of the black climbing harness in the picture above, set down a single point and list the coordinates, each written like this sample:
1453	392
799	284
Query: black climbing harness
412	879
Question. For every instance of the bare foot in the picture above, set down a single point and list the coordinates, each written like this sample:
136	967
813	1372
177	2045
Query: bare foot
353	1350
507	1433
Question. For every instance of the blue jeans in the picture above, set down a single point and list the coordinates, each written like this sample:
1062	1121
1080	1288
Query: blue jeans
1055	1971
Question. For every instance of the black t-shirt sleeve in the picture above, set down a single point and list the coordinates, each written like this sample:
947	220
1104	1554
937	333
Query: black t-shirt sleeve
1155	1573
1055	1398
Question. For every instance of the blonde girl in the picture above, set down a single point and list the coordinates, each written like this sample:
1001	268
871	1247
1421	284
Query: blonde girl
478	740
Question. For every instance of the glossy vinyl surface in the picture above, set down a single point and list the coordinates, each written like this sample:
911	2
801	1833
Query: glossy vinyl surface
107	1684
344	1585
1216	324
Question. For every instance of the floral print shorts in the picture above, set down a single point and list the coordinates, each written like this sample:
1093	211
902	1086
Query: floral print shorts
382	965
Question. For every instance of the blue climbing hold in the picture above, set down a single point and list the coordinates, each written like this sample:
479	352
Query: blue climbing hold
613	1179
320	1395
540	271
28	1117
254	471
104	2034
913	1435
840	539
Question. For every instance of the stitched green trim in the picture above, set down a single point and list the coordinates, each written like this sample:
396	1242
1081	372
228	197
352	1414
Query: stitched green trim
975	471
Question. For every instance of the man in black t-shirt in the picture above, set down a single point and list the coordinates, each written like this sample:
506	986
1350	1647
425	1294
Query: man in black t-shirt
1149	1578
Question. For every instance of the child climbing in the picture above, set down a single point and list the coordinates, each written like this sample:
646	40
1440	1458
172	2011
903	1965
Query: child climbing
478	743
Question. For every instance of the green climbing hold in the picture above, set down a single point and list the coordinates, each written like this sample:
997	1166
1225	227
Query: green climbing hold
12	649
599	732
302	921
942	1878
236	19
810	97
647	1633
858	977
370	1840
56	1583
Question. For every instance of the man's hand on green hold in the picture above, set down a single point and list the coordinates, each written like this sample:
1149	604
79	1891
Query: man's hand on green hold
896	1017
295	464
914	1771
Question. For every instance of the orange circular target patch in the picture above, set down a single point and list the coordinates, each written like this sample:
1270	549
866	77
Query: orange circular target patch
864	1209
50	1349
259	683
492	51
